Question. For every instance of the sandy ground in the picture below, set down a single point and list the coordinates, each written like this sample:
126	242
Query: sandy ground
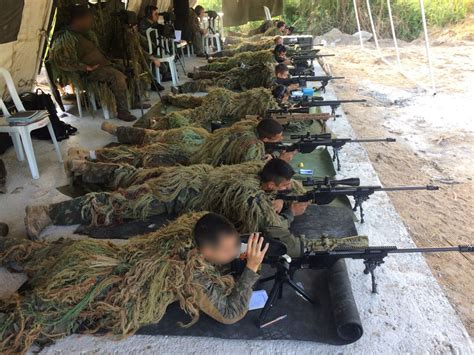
435	142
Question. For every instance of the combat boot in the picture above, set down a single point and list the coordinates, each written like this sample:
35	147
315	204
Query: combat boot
36	219
126	116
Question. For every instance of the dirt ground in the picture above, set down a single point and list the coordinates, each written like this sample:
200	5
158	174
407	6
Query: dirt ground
435	143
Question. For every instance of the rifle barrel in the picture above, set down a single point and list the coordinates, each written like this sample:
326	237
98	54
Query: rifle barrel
409	188
372	140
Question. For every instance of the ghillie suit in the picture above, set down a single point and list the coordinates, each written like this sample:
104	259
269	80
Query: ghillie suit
67	68
271	32
246	46
232	145
240	78
226	146
157	148
267	24
232	190
184	101
219	105
91	285
244	58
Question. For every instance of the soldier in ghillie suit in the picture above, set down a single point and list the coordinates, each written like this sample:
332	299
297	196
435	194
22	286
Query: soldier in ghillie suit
76	58
90	285
243	141
244	193
278	30
219	104
247	46
240	78
243	59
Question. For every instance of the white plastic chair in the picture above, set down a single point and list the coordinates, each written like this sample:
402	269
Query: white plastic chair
164	58
268	15
93	102
21	135
208	42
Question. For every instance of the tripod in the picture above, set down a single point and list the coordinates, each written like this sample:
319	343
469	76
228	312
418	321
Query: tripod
283	276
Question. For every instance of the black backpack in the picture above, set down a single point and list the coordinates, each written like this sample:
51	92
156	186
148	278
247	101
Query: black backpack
40	101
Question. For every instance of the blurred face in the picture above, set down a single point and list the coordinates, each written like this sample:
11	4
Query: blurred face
275	139
279	41
224	252
84	23
154	16
282	55
272	186
202	13
284	75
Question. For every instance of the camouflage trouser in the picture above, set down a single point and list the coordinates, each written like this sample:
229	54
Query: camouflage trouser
184	101
113	176
151	155
196	86
116	81
137	136
198	43
105	208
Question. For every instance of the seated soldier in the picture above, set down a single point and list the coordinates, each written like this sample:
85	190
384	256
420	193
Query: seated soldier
198	33
243	193
244	141
88	59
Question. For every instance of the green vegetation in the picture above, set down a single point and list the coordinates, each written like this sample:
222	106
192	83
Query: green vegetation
319	16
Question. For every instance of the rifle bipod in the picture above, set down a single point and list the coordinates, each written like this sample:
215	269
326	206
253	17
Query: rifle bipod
283	275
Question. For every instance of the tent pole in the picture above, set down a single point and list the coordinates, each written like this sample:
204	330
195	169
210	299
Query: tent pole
374	33
358	23
427	46
393	31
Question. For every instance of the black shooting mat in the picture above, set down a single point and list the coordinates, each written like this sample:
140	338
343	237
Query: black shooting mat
334	321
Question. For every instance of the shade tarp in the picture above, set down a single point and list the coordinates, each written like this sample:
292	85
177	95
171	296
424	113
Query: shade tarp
239	12
23	25
138	6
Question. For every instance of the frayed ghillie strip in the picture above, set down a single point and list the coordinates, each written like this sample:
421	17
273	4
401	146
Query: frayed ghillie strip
183	101
188	138
90	285
235	192
244	58
62	54
231	145
151	155
136	202
220	105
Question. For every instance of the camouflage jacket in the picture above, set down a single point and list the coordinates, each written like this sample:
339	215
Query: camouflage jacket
224	305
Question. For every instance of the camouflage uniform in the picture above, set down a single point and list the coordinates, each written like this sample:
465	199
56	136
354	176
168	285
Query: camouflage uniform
157	148
242	78
244	58
246	47
230	145
137	195
87	53
224	306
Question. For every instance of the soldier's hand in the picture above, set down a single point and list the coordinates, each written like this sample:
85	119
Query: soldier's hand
288	156
298	208
90	68
277	205
267	158
255	253
155	61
